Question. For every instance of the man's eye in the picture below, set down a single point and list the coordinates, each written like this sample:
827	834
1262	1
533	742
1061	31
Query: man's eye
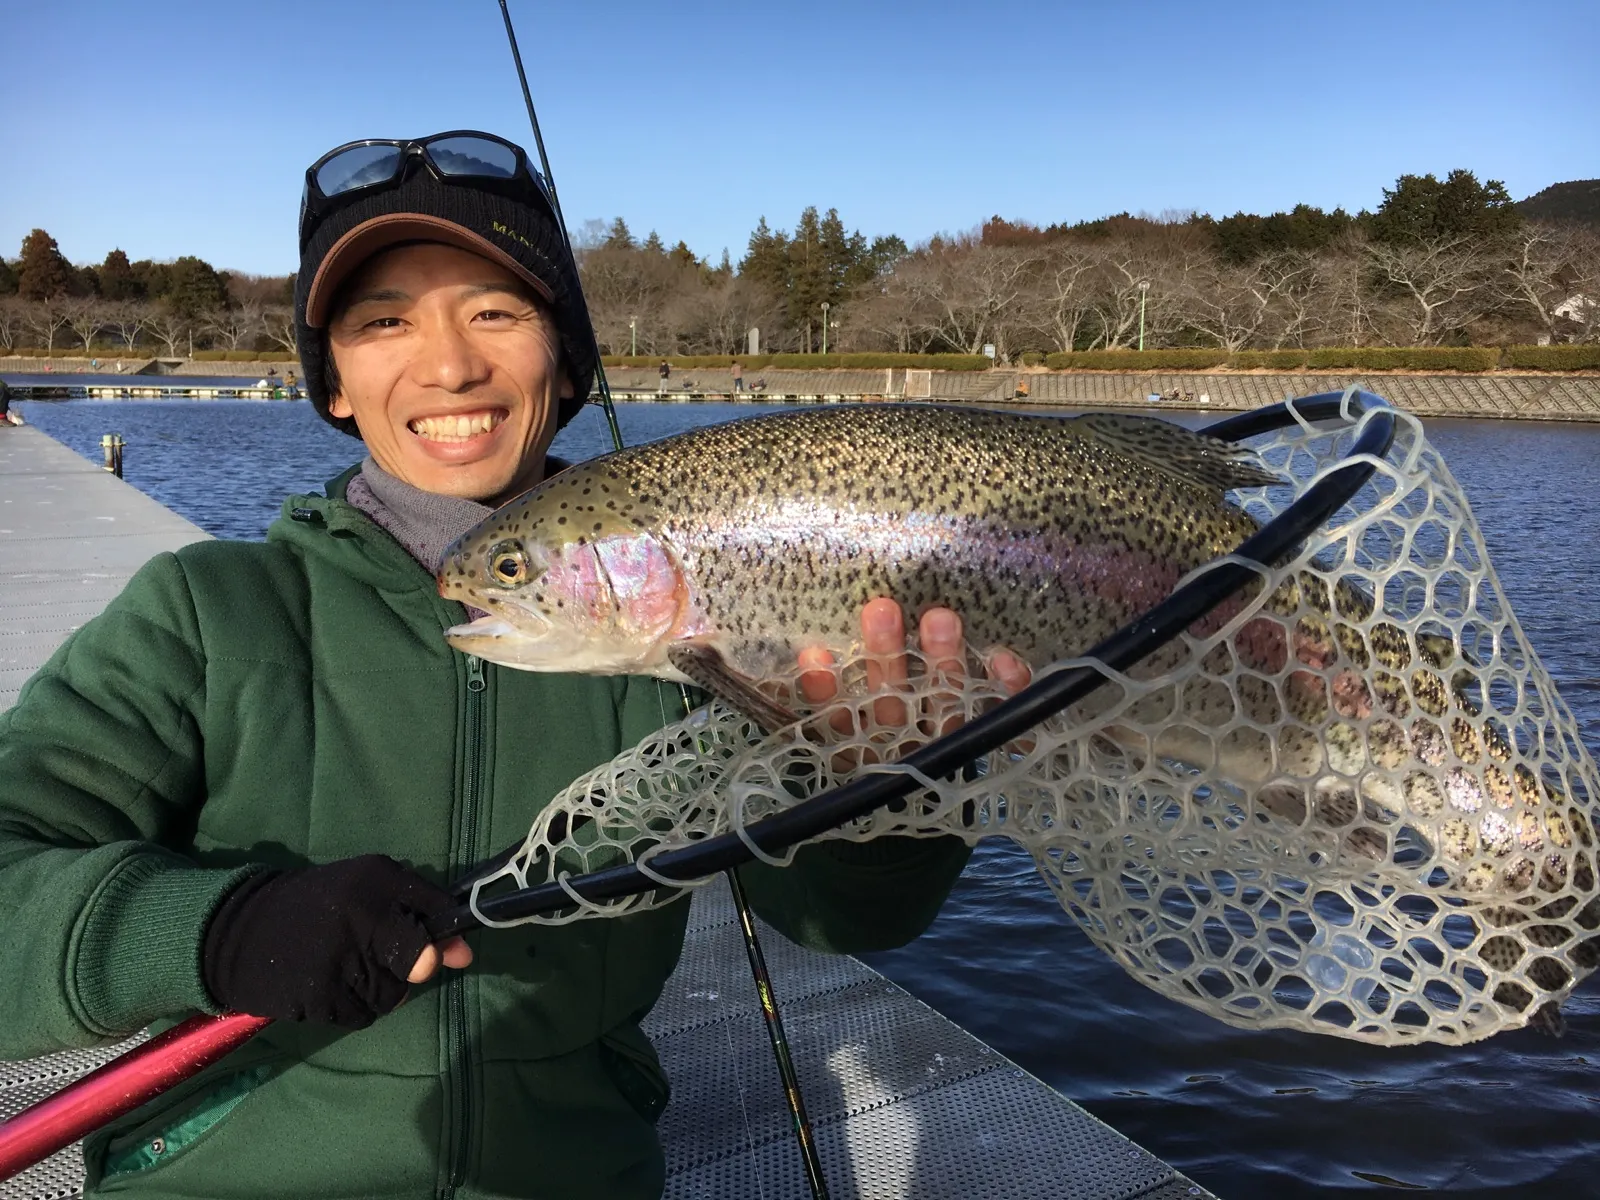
494	314
384	323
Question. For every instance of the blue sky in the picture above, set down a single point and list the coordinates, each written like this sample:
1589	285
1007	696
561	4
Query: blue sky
173	128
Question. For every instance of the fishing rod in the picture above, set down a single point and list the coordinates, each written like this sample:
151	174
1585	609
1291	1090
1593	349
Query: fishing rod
168	1059
767	997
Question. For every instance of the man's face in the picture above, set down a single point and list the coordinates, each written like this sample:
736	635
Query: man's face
449	368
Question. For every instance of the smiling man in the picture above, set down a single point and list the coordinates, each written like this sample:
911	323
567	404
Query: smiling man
244	785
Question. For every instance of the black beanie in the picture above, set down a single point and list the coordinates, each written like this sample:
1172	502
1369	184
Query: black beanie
519	235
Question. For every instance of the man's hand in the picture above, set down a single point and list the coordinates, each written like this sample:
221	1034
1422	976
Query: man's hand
883	636
335	944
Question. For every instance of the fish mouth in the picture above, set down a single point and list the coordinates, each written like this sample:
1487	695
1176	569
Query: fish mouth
499	641
540	645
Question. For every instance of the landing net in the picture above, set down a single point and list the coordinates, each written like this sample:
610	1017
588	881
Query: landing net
1351	803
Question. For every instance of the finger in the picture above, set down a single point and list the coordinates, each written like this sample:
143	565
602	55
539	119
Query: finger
1012	674
1009	671
883	636
457	953
427	963
818	683
939	637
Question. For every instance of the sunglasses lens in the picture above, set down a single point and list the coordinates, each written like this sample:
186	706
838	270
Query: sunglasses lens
358	167
473	156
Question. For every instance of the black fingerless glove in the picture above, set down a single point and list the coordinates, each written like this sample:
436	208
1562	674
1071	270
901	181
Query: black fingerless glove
330	944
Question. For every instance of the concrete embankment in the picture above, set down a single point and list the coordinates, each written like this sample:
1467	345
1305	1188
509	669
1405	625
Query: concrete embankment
1574	397
1546	397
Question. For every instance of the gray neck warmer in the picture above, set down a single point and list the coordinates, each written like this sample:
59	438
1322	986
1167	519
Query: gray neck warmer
423	522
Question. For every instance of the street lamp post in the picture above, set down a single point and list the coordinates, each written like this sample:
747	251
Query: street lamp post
1144	289
633	334
824	326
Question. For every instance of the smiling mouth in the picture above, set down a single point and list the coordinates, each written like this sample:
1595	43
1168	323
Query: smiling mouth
457	427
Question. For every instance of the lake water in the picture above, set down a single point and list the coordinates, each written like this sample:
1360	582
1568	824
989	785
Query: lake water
1254	1116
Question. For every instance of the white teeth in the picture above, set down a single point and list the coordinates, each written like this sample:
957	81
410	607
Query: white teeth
455	429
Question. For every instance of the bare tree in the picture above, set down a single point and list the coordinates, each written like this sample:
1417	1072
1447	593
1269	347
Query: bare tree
1061	298
884	318
712	317
85	317
1238	305
11	322
623	286
1346	312
1304	300
128	318
1581	309
233	325
963	294
1441	286
1119	300
44	319
170	328
1549	276
277	325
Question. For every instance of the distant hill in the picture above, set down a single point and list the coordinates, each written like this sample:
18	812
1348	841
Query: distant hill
1575	201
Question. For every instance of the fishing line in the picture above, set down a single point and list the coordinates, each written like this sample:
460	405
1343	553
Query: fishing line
747	926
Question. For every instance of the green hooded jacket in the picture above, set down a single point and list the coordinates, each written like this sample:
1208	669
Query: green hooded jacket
292	702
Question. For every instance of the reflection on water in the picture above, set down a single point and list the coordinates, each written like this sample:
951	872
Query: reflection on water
1251	1115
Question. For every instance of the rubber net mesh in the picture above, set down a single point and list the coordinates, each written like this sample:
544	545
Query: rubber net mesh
1356	805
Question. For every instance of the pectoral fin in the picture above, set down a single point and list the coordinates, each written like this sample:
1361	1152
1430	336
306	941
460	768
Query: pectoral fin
706	667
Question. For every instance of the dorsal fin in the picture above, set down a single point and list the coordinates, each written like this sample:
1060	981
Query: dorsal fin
1181	453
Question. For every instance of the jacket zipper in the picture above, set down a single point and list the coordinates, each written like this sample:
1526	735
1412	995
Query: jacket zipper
456	987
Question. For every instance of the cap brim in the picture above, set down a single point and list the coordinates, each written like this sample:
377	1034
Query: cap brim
369	237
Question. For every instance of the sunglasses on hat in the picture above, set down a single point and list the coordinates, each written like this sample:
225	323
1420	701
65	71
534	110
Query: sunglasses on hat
461	156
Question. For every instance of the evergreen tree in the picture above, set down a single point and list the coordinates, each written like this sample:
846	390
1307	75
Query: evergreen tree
653	244
1421	208
8	278
151	278
766	261
810	276
194	287
620	237
885	252
44	272
683	256
1245	237
117	280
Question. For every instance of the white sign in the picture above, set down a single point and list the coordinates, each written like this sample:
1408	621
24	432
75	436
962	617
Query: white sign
989	350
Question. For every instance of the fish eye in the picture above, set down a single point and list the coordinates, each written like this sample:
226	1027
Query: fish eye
508	564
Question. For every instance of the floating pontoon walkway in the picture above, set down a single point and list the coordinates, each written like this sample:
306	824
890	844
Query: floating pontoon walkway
144	390
905	1103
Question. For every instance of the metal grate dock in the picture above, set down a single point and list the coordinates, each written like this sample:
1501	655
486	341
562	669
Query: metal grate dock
905	1103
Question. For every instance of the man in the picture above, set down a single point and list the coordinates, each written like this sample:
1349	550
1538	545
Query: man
243	785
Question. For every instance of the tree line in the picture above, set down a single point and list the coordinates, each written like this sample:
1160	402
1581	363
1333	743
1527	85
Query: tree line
129	307
1439	262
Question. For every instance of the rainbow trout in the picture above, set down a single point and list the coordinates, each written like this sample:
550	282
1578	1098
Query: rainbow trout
716	555
726	549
